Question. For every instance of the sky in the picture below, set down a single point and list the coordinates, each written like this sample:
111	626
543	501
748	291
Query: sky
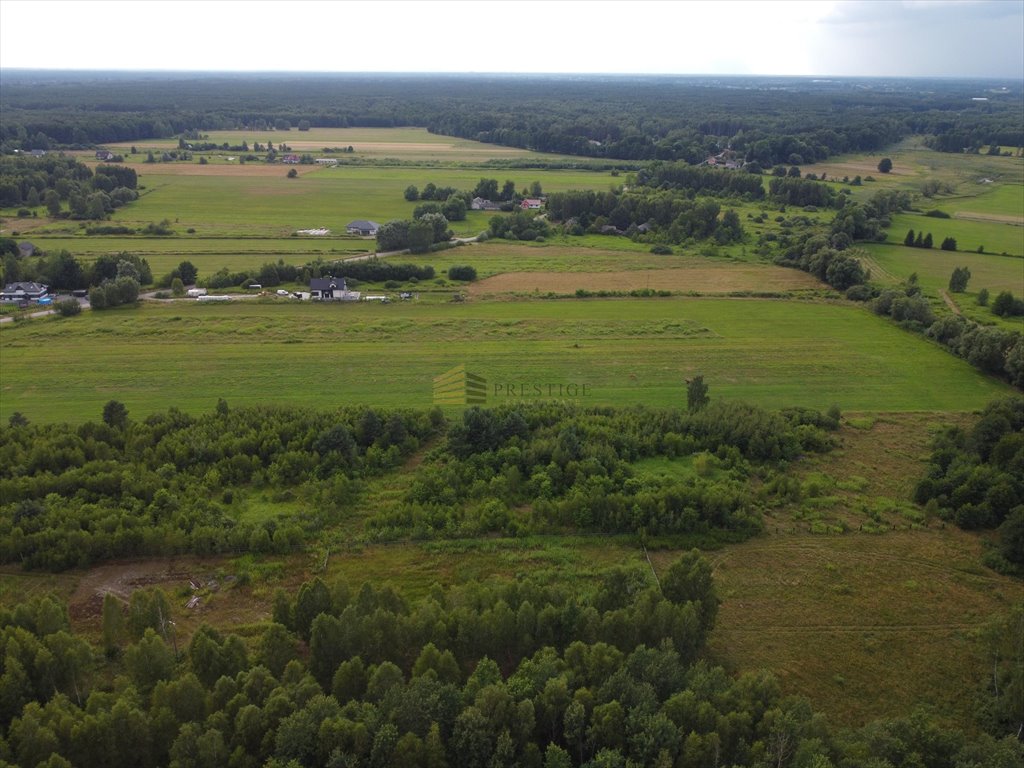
826	38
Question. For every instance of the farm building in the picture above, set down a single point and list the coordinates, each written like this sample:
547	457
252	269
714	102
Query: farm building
532	203
331	289
480	204
104	154
326	161
23	291
361	227
290	159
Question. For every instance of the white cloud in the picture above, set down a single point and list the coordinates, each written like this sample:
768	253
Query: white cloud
738	37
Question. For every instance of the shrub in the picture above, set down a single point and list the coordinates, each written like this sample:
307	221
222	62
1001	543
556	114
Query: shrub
68	307
661	250
462	272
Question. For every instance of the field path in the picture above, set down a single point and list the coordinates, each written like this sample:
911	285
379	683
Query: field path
949	301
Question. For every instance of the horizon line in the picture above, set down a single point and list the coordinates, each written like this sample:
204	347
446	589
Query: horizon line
403	73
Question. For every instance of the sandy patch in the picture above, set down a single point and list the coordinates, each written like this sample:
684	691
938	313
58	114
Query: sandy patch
724	278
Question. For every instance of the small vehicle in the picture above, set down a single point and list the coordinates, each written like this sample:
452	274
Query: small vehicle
45	300
254	286
282	292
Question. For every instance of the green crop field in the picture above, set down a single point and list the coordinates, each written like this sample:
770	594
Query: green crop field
188	354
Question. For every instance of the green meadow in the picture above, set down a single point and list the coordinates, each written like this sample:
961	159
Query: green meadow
260	205
186	354
993	236
934	267
407	144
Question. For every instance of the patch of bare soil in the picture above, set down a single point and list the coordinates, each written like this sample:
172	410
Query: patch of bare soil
123	578
721	278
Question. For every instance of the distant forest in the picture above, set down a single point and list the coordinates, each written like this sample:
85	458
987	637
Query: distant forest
765	120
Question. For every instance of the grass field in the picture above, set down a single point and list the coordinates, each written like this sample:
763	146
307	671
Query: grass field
934	266
400	143
702	277
995	236
186	354
255	204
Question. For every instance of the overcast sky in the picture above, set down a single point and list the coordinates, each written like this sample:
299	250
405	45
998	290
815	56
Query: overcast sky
944	38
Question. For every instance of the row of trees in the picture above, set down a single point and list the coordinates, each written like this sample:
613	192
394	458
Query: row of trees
61	271
922	240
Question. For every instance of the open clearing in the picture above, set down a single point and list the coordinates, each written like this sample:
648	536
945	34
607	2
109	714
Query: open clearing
377	143
934	267
187	354
721	278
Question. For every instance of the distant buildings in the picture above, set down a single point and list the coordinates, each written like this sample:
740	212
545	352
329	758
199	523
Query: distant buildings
24	292
331	289
361	227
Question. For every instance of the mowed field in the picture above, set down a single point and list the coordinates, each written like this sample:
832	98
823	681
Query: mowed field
934	267
399	143
994	236
250	202
698	278
187	354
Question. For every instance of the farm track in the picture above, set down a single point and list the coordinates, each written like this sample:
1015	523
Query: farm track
949	302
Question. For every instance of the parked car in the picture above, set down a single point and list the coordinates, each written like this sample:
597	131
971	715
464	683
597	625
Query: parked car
282	292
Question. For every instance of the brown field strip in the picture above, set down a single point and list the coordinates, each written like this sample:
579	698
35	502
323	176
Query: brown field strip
721	278
222	169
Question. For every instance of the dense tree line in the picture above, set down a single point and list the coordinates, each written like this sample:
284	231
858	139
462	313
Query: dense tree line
54	181
636	118
417	235
659	216
497	675
116	488
976	477
60	270
572	469
272	274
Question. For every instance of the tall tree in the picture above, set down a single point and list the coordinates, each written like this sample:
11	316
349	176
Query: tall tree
696	394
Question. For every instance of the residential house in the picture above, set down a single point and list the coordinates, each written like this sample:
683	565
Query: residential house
480	204
104	154
532	203
290	159
24	292
38	153
362	227
331	289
